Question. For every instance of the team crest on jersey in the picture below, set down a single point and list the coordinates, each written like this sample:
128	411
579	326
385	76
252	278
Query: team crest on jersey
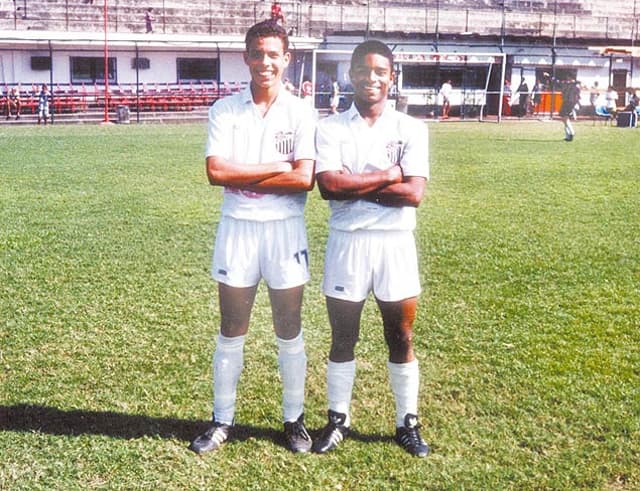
284	142
394	151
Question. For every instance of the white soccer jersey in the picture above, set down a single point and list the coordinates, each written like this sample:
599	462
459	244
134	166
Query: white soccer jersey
238	132
345	141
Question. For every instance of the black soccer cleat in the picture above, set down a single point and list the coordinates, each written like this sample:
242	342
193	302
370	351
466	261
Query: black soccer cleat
332	434
297	436
408	437
211	439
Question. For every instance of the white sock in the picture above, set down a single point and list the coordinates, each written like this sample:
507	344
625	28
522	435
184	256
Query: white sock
340	379
292	361
405	383
228	361
568	129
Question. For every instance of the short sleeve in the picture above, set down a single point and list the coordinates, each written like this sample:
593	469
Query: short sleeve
327	147
219	131
415	154
305	135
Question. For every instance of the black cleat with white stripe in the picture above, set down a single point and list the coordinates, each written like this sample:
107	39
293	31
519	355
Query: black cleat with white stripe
211	439
408	437
332	434
297	436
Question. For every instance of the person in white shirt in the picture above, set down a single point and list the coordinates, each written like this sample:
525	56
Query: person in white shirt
335	96
372	164
611	98
445	93
260	149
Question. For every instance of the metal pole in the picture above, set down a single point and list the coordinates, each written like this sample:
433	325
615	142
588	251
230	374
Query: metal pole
137	84
634	27
437	22
553	60
106	66
366	36
502	78
502	25
51	112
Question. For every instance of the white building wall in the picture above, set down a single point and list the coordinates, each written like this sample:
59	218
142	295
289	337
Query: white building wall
232	68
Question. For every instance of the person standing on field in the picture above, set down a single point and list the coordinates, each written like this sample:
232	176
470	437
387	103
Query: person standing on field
260	149
43	104
445	93
372	164
570	99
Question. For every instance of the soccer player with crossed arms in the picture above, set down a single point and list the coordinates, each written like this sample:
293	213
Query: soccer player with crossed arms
260	148
372	164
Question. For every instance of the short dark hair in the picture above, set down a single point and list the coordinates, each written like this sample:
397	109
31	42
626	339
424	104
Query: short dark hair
369	47
266	29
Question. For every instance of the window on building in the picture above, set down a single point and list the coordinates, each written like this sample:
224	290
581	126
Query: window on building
560	74
433	76
40	63
197	69
91	70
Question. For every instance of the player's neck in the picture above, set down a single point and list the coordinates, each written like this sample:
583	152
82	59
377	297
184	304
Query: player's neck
371	112
263	98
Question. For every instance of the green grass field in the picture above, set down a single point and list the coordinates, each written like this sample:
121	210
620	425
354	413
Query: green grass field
527	332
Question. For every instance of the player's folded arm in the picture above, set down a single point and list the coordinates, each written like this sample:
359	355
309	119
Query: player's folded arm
222	172
300	178
409	192
343	185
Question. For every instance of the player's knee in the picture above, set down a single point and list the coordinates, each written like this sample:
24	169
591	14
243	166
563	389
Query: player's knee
400	341
232	326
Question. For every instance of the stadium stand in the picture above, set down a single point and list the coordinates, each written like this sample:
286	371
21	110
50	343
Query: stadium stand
574	18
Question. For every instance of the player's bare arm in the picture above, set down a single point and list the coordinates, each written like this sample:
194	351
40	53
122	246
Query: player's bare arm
409	192
300	178
343	185
221	172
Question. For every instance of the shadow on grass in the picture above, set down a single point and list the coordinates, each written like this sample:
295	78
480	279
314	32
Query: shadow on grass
26	418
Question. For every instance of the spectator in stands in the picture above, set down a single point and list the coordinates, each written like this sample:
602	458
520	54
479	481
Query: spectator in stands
43	104
335	96
13	101
276	13
261	150
149	19
445	94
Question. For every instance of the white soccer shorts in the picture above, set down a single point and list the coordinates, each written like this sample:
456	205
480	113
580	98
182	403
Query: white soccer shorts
246	251
385	262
